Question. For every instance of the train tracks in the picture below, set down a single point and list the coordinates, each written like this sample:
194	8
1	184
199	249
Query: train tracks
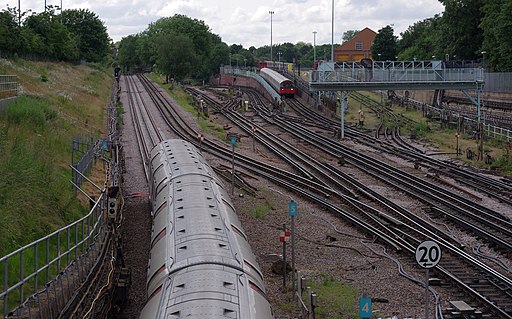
342	194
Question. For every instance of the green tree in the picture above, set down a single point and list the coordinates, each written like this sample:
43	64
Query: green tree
127	55
176	56
421	40
348	35
90	32
461	34
47	38
497	28
9	32
385	44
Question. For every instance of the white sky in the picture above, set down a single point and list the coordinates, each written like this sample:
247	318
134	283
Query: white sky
248	22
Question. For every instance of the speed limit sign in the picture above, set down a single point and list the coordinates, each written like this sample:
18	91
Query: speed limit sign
428	254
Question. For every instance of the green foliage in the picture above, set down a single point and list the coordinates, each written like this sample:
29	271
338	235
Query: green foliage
176	55
420	40
497	27
348	35
503	164
28	169
90	33
461	34
76	35
336	299
385	44
33	112
422	128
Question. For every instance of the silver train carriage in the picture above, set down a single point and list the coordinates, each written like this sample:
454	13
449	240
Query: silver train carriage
279	82
201	265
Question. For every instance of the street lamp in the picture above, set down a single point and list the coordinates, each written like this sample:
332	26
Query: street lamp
483	59
379	55
314	48
271	13
332	33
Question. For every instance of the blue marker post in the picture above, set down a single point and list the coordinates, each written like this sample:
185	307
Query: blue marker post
292	211
365	307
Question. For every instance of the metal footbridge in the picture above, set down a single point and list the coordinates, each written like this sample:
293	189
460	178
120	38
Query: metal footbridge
369	75
394	75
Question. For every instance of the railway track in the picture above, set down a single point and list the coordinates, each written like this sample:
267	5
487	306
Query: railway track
325	192
504	233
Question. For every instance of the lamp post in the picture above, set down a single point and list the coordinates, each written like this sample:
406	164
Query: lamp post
379	55
332	33
271	57
483	59
314	48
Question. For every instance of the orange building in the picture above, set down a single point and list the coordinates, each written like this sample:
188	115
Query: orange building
356	48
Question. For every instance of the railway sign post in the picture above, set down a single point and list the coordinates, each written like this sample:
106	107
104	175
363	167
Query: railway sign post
292	212
365	307
233	139
428	255
284	236
200	137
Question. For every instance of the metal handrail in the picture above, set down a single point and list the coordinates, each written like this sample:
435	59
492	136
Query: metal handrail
90	225
88	231
9	86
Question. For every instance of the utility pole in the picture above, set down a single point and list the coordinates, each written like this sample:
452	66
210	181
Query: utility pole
314	48
271	57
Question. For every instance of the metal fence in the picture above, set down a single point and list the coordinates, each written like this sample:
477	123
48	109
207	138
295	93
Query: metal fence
85	145
470	121
498	82
37	280
38	277
8	86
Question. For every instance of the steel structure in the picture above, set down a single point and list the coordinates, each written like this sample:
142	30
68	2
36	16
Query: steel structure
395	75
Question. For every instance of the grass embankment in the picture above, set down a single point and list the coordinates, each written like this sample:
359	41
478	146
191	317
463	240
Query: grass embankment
57	102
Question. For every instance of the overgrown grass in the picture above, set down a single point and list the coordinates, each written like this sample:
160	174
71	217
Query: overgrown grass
36	131
335	299
33	196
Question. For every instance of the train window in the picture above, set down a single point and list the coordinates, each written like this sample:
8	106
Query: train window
157	290
158	237
254	268
238	231
156	273
160	208
255	287
160	187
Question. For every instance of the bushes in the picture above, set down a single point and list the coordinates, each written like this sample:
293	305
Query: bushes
32	112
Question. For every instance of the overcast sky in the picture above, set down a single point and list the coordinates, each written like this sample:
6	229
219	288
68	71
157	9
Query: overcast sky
247	22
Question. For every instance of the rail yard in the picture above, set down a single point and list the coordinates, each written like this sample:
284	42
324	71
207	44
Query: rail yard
365	203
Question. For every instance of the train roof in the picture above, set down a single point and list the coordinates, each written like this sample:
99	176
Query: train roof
275	75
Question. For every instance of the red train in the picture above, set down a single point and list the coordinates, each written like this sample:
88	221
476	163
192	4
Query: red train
279	82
